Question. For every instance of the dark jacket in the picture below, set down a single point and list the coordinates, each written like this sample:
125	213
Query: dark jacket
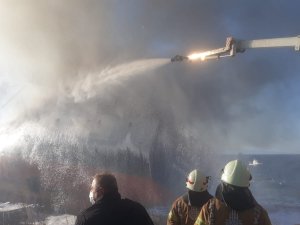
112	210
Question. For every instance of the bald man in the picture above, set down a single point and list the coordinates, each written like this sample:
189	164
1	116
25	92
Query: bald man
108	208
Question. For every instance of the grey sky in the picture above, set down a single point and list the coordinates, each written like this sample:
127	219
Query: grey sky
57	49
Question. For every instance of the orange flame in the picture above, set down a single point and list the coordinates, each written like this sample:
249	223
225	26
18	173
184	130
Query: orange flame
196	56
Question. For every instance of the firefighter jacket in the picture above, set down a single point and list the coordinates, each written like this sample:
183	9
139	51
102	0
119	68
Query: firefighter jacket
215	212
183	212
112	210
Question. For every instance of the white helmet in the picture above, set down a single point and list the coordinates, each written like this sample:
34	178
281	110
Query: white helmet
196	181
236	173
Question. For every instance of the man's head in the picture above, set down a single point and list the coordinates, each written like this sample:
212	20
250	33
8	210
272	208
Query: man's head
196	181
102	184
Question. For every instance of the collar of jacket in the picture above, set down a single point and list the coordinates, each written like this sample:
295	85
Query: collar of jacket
109	197
197	199
237	198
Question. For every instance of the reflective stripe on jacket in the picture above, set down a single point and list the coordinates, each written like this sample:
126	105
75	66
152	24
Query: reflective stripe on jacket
214	212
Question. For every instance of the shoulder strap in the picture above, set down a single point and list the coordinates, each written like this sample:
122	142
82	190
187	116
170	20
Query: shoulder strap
185	198
257	212
212	210
179	208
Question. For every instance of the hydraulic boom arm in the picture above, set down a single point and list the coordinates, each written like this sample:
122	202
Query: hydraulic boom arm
234	46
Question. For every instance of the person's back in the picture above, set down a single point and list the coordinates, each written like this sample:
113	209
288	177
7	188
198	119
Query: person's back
186	208
135	213
234	203
109	209
215	212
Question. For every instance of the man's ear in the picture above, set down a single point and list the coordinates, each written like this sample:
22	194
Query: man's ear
100	190
99	193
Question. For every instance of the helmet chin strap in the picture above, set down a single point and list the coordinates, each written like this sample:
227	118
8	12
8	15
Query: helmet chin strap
222	191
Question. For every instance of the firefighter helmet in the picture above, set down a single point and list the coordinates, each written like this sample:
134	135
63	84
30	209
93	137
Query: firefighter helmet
236	173
196	181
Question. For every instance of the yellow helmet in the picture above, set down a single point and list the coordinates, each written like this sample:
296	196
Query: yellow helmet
196	181
236	173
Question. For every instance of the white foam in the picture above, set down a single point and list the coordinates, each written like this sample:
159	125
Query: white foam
65	219
7	206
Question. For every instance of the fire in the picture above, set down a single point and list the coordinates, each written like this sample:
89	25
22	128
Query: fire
196	56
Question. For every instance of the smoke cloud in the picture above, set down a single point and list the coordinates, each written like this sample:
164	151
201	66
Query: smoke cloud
63	68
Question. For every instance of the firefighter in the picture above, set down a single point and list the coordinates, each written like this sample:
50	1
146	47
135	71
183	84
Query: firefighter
186	208
108	207
234	202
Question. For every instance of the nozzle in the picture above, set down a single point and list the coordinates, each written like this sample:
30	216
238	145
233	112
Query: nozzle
179	58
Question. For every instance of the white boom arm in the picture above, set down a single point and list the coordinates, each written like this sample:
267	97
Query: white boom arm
270	43
234	46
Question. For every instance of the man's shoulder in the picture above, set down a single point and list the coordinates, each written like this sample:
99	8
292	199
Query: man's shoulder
87	211
213	203
183	199
211	200
260	208
85	215
136	212
219	205
129	201
131	204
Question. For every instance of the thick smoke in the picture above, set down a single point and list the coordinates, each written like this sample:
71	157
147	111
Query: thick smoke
53	50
